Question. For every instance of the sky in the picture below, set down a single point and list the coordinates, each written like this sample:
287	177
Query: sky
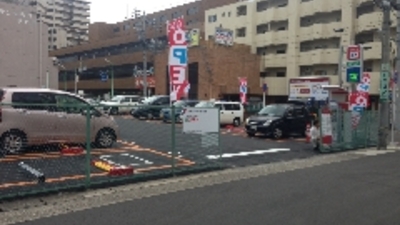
112	11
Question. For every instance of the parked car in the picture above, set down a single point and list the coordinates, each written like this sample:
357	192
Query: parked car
230	112
279	120
151	107
120	104
166	113
43	116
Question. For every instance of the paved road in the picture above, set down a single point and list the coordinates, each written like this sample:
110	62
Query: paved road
360	191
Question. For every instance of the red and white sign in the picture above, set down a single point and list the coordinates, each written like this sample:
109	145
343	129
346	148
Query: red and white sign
243	89
353	52
305	88
326	126
151	82
359	100
178	57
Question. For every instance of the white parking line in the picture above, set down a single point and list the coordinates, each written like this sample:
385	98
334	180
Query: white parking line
256	152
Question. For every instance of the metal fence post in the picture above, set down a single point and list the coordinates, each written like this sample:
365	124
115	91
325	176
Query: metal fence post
88	145
173	144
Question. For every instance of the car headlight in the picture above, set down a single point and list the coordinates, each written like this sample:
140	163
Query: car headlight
267	123
247	120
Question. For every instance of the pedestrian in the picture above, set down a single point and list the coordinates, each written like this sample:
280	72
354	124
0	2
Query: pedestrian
315	135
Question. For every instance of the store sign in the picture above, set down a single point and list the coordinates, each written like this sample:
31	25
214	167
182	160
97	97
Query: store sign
308	88
354	66
200	120
359	100
178	59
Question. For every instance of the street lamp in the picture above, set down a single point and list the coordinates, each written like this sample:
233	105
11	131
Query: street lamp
112	76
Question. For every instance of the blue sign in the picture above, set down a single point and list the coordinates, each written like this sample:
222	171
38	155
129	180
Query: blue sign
264	87
103	76
178	56
358	108
353	74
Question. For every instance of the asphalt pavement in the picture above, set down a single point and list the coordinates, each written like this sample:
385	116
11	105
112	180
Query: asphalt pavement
362	190
236	148
148	147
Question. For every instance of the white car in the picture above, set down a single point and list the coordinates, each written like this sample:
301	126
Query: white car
230	112
120	104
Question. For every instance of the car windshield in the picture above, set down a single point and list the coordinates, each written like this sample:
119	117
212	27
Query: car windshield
149	100
179	103
203	104
116	99
273	110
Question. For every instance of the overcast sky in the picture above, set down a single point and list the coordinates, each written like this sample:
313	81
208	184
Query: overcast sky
112	11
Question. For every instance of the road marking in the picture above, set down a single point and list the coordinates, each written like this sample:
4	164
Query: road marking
256	152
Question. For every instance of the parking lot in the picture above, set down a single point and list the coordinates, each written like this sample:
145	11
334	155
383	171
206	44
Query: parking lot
146	146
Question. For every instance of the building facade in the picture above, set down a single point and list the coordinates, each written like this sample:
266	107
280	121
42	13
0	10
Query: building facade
24	59
116	51
67	21
303	37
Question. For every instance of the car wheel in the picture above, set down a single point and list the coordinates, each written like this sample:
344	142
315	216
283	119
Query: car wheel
13	142
105	138
277	133
149	116
114	111
251	134
236	122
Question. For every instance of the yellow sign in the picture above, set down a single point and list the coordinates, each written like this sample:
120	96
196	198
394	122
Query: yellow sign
192	37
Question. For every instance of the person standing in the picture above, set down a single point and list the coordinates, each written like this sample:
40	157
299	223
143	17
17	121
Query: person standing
315	135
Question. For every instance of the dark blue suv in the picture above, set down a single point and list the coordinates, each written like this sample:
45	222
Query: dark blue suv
179	106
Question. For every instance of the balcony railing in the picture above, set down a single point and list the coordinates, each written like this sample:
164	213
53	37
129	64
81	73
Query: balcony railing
274	60
312	7
272	38
368	22
272	14
320	31
319	56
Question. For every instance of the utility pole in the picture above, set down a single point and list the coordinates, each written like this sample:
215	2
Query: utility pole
40	49
385	76
112	76
142	36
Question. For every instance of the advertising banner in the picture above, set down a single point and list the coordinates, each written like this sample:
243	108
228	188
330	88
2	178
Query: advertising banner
300	88
139	82
243	89
178	59
223	36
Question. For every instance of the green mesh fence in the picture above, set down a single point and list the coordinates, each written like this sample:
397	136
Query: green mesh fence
346	135
66	146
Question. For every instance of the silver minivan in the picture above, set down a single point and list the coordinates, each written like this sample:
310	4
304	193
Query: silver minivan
33	116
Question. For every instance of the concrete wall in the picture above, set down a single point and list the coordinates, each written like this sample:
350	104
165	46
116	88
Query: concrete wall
19	49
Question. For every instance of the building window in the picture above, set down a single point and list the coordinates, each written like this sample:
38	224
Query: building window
241	32
280	74
262	6
163	18
281	51
229	14
192	11
241	10
262	28
223	14
212	18
116	29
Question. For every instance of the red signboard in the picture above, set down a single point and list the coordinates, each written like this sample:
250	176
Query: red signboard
353	52
139	82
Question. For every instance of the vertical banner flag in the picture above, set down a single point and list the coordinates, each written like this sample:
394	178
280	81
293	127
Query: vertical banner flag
178	58
243	89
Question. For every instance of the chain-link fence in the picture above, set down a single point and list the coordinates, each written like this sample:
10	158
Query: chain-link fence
348	130
57	147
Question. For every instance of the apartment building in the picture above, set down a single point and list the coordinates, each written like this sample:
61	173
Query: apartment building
303	37
24	59
67	21
118	49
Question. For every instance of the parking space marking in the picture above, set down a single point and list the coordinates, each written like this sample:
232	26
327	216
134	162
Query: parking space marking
180	162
